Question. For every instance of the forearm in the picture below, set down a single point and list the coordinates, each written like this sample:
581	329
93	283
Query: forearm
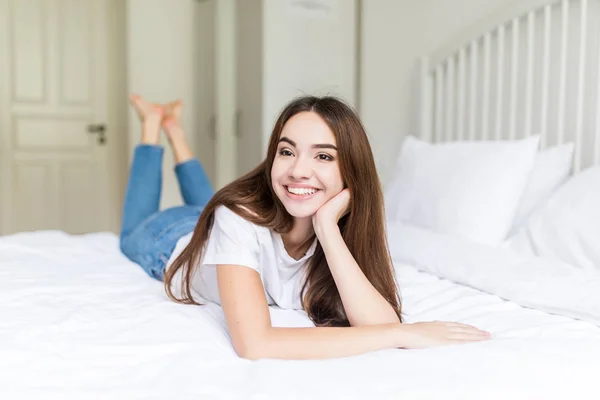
364	305
323	342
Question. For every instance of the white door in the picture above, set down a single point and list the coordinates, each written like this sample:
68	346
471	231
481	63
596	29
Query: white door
55	163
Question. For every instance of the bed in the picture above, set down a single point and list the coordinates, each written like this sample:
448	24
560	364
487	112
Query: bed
78	320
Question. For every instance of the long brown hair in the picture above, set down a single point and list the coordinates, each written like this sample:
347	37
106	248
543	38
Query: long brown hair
252	198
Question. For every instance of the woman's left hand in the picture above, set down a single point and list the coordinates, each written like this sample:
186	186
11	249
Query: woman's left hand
334	209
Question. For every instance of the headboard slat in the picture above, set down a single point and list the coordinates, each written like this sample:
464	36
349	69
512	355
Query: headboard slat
545	76
529	76
485	104
449	102
460	123
514	78
536	70
499	83
581	84
564	36
473	89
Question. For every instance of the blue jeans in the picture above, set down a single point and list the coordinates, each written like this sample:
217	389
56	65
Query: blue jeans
148	236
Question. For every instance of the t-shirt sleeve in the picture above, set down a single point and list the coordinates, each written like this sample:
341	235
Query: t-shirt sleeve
232	240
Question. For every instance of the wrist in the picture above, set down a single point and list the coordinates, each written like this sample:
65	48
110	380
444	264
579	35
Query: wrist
393	335
401	335
324	228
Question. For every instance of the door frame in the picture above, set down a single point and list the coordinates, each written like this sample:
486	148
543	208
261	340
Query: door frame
117	107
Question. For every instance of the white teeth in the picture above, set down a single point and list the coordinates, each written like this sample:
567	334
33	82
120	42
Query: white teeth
301	191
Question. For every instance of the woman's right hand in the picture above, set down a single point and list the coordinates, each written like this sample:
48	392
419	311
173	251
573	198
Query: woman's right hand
438	333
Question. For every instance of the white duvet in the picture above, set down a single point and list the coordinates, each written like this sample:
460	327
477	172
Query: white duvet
80	321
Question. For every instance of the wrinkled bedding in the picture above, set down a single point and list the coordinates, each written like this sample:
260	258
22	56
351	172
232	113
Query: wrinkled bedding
80	321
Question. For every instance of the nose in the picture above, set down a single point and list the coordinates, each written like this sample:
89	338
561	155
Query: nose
301	169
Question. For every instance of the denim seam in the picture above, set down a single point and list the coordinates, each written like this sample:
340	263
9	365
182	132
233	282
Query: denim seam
168	227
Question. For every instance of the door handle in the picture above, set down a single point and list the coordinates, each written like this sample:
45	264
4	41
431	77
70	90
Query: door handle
100	130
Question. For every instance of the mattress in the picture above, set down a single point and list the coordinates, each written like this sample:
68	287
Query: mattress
78	320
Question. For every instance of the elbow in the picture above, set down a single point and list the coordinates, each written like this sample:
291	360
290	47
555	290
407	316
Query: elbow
249	356
248	353
250	349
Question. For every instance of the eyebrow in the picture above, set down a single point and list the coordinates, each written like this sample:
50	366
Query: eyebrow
314	146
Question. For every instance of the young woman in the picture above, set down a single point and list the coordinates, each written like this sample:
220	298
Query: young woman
303	230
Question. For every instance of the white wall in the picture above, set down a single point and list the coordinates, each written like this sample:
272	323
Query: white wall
301	50
307	52
287	48
304	53
160	67
394	34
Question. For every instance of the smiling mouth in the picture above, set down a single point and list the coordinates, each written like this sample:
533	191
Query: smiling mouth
303	192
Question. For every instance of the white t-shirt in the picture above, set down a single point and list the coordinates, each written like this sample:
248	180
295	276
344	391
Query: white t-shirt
234	240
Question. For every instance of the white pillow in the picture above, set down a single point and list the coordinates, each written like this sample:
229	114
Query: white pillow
551	169
567	227
466	188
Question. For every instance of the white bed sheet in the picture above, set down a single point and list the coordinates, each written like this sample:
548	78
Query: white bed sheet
80	321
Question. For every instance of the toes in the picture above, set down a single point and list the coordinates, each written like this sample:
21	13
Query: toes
157	108
167	122
138	103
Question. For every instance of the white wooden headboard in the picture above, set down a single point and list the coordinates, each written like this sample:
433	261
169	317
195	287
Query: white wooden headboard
532	68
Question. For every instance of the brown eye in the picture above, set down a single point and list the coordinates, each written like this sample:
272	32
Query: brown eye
325	157
285	152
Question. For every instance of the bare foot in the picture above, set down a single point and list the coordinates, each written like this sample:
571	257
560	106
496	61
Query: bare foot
172	126
151	116
172	119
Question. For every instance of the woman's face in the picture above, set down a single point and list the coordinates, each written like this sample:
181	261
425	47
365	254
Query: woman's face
305	172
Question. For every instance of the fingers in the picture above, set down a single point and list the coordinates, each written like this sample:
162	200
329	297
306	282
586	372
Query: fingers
465	333
458	325
468	339
465	337
469	335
